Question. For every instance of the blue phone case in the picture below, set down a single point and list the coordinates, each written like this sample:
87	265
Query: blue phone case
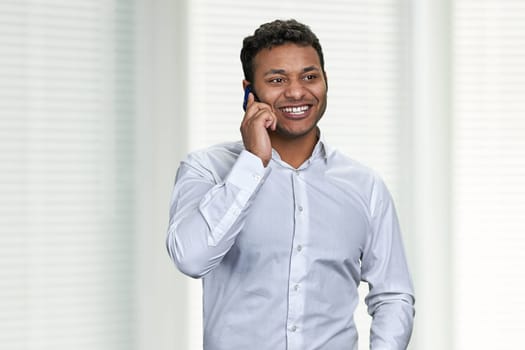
247	91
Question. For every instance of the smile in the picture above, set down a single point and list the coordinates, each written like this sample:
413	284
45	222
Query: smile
296	111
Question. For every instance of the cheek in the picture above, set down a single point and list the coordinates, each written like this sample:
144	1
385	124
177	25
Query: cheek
320	94
269	97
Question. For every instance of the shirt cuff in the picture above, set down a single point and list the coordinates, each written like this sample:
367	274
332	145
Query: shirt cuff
248	172
244	180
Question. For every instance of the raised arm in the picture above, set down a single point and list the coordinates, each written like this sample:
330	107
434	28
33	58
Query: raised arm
207	212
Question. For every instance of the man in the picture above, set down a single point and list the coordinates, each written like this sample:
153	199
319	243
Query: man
281	227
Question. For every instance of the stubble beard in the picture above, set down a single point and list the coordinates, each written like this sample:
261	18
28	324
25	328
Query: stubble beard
292	135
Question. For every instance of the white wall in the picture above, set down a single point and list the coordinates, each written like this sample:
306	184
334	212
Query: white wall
161	129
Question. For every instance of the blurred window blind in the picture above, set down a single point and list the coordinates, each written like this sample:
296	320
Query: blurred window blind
66	133
489	173
363	48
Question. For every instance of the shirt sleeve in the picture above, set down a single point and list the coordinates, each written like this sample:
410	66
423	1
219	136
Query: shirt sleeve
390	299
206	215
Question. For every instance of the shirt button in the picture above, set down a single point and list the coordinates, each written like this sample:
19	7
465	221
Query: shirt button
293	328
256	177
296	287
300	208
299	248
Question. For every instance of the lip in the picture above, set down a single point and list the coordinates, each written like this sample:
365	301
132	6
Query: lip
296	112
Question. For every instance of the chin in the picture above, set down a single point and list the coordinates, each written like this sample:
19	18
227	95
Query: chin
294	134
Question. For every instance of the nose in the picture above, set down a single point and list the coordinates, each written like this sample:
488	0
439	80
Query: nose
294	90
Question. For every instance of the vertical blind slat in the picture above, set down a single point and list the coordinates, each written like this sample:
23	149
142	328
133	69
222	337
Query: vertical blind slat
65	177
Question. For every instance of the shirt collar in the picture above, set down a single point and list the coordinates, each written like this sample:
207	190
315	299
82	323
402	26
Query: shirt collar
321	151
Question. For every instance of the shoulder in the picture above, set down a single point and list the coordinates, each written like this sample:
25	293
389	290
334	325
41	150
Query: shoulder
357	178
216	160
220	152
341	165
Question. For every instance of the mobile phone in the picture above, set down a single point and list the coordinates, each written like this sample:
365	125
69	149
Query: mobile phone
247	91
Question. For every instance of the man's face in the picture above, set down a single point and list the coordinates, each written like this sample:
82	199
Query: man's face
290	79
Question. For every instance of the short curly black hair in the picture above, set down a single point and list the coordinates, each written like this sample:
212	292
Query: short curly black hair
278	32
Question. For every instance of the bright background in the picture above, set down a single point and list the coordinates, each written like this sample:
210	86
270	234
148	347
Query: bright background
100	100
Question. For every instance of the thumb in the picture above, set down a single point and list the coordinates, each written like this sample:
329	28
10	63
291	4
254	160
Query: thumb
251	98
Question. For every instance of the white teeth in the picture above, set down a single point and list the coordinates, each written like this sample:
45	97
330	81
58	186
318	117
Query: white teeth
295	110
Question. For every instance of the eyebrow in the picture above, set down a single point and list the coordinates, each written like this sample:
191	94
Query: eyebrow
282	71
309	69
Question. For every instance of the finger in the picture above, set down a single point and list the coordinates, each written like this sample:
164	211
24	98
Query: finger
273	126
255	109
268	123
264	112
254	116
250	111
273	121
251	107
251	99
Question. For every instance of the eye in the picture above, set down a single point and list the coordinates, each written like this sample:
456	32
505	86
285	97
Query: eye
310	77
276	80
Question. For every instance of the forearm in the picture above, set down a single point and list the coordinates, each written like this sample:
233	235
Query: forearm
199	235
392	322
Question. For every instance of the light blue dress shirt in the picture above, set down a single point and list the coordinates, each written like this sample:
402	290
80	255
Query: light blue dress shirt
281	251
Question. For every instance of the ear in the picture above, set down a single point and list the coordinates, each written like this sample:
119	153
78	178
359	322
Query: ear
245	83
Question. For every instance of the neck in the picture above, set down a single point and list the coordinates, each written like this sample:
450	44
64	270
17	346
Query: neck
295	151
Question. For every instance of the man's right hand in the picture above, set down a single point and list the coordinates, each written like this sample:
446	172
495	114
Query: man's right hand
257	119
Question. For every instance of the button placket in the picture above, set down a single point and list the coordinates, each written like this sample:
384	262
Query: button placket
298	263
